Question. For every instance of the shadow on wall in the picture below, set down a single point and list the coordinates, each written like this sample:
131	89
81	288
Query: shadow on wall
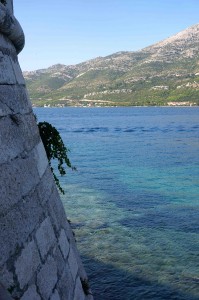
108	283
4	295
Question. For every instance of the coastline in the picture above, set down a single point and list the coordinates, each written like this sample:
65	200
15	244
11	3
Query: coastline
115	106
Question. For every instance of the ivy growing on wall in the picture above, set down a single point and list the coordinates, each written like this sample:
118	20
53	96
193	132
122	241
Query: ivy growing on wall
55	150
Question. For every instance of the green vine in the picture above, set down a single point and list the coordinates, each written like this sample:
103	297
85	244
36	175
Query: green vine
55	149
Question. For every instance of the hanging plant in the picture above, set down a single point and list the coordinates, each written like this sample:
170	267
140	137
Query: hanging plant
55	150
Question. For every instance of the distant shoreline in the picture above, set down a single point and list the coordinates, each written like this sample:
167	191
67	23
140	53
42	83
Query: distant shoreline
131	106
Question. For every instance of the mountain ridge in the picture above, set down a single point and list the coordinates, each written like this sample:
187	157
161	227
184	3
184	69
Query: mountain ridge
164	73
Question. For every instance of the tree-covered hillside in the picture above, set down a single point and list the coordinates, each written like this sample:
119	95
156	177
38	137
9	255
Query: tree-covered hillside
166	73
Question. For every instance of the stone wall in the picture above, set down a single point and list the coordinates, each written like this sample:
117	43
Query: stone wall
38	254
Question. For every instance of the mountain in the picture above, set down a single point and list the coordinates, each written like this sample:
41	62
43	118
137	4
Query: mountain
166	73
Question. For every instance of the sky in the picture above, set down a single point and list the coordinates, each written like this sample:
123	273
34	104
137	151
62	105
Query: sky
73	31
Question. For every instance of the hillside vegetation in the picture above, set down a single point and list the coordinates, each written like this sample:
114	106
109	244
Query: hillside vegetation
166	73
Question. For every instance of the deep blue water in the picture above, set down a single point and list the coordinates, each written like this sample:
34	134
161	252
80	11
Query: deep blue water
134	201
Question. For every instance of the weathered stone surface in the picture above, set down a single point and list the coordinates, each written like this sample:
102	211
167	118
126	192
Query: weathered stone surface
70	234
55	296
7	75
14	98
64	244
81	270
72	261
27	264
89	297
4	294
45	187
11	140
45	237
79	293
9	6
31	294
56	210
66	285
31	132
59	260
11	234
13	186
32	213
17	72
18	136
28	174
47	278
41	159
5	43
6	278
10	192
17	225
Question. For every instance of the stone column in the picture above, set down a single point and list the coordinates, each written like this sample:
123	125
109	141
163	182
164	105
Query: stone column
38	254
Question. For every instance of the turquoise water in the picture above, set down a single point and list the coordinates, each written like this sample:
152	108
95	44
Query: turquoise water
134	201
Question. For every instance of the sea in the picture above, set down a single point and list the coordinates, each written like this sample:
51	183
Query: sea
133	202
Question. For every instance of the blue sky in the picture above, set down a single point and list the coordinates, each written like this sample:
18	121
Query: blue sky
72	31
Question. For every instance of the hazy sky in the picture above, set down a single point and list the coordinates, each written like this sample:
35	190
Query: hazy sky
72	31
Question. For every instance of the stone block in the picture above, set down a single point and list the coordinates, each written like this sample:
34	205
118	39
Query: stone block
10	192
45	187
6	277
5	43
64	244
31	294
11	234
81	270
55	296
79	293
31	211
30	132
14	98
18	73
45	237
27	172
11	143
56	210
41	159
66	285
69	233
59	260
7	75
18	136
18	224
27	264
72	261
17	179
47	278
